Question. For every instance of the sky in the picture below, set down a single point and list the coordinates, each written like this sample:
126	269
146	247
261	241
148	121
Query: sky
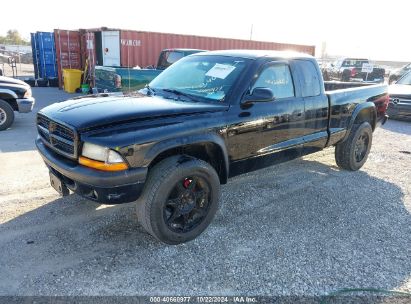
361	28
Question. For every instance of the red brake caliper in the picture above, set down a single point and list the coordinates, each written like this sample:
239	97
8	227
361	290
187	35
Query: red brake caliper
186	183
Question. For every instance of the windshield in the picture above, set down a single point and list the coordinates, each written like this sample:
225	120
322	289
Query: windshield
209	78
406	79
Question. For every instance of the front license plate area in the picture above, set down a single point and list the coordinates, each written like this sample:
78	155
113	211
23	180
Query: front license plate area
58	185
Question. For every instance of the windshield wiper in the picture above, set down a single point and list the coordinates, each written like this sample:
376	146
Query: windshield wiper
180	93
150	90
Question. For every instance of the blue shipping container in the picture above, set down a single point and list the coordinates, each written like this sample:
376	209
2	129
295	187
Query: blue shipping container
35	50
44	55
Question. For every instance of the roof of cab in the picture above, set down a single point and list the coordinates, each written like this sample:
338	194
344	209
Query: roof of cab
254	54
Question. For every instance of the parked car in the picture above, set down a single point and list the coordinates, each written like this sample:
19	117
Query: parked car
15	95
400	98
350	69
396	74
117	79
208	117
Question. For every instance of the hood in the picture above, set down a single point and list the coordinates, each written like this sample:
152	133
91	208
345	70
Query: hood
9	80
87	113
399	89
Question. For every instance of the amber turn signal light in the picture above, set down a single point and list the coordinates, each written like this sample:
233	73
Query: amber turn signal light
99	165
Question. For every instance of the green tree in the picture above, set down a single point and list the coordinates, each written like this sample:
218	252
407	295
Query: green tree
13	37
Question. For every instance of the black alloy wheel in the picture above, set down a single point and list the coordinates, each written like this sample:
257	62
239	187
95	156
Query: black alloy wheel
187	204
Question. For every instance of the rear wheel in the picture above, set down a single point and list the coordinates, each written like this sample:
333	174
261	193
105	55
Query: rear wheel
352	153
180	199
6	115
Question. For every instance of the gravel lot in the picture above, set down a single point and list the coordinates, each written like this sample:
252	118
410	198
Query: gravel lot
300	228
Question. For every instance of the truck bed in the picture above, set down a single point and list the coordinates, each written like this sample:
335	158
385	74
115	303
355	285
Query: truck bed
344	97
130	79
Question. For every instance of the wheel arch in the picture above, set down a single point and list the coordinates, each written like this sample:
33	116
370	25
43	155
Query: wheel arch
10	97
365	112
7	94
208	147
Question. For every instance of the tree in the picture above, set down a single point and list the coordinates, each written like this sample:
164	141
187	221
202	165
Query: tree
13	37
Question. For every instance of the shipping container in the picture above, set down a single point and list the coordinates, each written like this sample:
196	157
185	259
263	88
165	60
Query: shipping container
127	48
110	48
34	52
143	48
44	55
68	51
88	55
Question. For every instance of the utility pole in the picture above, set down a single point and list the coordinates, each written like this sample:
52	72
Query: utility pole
251	32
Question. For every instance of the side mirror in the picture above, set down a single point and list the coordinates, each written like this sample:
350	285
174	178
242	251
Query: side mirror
259	95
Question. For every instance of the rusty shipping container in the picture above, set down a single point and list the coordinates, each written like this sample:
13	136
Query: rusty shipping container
143	48
68	51
88	55
76	48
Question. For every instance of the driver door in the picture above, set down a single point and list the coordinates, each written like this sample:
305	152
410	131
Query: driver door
265	128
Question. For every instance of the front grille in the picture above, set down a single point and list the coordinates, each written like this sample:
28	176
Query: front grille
57	136
400	99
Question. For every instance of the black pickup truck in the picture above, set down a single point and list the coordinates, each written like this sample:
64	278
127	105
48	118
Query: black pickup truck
208	117
15	95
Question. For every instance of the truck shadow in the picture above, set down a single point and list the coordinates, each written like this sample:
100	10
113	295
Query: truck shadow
295	227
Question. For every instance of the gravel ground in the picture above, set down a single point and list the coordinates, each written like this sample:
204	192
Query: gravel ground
300	228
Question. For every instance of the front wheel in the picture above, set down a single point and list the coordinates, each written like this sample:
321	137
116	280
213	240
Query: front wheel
180	199
6	115
352	153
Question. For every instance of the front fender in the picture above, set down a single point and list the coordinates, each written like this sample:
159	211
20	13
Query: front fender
6	93
177	142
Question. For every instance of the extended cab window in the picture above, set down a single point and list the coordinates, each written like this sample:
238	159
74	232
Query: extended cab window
167	58
276	77
310	83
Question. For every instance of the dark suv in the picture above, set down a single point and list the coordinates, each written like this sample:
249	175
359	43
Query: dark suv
15	95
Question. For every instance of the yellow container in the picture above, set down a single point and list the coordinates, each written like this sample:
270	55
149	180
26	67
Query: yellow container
71	80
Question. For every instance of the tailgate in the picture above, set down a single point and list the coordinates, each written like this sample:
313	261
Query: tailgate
105	79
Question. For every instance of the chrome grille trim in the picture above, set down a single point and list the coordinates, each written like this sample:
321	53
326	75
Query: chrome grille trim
57	136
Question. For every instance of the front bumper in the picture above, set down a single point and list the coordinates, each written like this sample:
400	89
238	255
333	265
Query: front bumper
25	105
402	111
100	186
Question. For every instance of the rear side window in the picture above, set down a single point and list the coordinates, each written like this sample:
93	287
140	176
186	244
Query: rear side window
310	83
278	78
168	58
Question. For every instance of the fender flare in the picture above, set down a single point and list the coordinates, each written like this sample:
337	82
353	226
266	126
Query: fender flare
172	143
8	92
366	106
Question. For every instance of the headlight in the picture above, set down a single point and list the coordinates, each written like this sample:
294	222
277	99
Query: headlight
28	93
101	158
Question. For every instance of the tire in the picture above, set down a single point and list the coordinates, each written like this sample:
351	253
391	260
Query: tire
6	115
168	179
346	76
351	154
326	76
